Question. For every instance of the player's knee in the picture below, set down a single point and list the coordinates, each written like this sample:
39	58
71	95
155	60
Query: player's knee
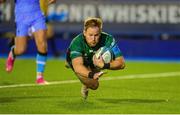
20	51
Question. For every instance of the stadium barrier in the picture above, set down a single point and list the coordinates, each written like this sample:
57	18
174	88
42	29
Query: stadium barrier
165	49
143	28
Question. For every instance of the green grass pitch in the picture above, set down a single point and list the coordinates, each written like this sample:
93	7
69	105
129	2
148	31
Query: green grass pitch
147	94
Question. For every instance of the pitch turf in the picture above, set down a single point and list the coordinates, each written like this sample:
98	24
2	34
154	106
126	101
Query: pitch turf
153	93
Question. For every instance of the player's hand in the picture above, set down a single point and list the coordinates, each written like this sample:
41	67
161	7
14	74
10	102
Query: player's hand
98	75
51	1
98	61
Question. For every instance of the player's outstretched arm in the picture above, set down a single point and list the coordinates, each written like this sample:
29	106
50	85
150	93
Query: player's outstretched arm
118	63
79	68
82	70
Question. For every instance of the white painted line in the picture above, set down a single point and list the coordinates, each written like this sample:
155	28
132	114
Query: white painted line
151	75
133	76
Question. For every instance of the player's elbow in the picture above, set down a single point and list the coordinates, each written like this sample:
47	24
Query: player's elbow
120	63
122	66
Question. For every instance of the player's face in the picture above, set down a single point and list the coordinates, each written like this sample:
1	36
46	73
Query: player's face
92	35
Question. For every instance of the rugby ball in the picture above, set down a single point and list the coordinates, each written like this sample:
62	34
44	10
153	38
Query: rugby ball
105	53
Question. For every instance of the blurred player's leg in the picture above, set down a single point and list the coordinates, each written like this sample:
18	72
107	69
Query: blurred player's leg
51	39
20	44
39	30
10	60
17	49
41	43
41	62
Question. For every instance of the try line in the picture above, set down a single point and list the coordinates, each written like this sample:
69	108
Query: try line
133	76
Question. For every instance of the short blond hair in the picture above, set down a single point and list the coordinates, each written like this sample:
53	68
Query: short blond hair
93	22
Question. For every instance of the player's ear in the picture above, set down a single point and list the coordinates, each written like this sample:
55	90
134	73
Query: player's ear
84	32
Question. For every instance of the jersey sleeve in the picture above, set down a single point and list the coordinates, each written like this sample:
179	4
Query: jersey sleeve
75	49
111	43
116	51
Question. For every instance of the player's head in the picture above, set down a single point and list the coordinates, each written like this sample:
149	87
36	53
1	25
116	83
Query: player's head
92	30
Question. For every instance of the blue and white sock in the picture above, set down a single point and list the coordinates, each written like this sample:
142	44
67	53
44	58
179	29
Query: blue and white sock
41	62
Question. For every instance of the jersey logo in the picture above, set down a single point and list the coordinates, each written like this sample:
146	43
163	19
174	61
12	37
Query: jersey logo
90	51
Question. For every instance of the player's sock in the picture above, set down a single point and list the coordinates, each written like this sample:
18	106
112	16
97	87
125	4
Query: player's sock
12	50
41	62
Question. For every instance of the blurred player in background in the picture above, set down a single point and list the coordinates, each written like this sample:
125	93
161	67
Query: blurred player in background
28	15
50	33
44	4
80	55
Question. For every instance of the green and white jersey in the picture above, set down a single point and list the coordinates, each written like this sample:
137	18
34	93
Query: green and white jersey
79	47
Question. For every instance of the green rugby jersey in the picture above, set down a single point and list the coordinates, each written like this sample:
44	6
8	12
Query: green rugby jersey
79	47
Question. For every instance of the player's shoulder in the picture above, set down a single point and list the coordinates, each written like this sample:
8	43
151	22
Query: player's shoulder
107	39
78	39
106	35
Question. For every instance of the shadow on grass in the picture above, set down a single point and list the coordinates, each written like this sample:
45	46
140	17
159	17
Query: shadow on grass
15	99
6	100
78	105
116	101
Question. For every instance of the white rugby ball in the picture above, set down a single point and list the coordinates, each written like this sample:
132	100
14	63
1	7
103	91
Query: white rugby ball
107	56
105	53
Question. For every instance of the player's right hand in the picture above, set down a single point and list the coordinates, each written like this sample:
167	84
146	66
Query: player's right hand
98	62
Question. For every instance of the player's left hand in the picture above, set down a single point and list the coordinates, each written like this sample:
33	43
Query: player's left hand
98	75
98	62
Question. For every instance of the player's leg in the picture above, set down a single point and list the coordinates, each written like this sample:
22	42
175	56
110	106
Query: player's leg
41	57
41	43
19	47
51	40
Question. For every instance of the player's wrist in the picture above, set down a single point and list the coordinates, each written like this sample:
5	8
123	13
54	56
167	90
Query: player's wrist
106	66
